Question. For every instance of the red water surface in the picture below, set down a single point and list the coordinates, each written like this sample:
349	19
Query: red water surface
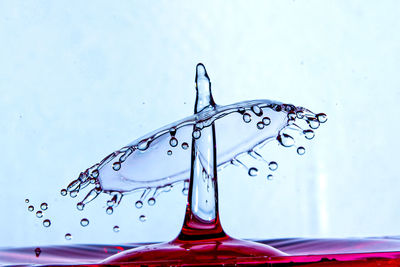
304	252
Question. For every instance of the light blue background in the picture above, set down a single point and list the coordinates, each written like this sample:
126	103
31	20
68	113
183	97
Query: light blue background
79	79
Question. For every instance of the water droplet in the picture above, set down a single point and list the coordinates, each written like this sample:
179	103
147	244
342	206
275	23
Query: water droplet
139	204
313	123
80	206
92	180
95	174
68	236
321	117
266	121
63	192
26	200
300	114
143	145
39	214
246	117
151	201
84	222
301	150
173	142
270	177
185	191
185	145
37	252
31	208
285	140
309	134
196	134
73	194
253	171
257	110
43	206
273	165
172	131
109	210
260	125
116	166
46	223
142	218
116	228
169	152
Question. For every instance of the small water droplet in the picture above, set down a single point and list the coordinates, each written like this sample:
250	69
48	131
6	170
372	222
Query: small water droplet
173	142
260	125
37	252
172	131
270	177
68	236
26	200
84	222
309	134
116	229
301	150
253	171
321	117
143	145
285	140
31	208
299	114
46	223
291	116
185	191
169	152
109	210
73	193
257	110
151	201
39	214
63	192
43	206
273	165
139	204
142	218
313	123
116	166
266	121
95	173
246	117
80	206
185	145
196	134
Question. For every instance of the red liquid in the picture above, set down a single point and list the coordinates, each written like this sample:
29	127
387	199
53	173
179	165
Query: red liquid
304	252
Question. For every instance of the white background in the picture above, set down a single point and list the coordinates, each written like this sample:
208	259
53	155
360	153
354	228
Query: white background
81	79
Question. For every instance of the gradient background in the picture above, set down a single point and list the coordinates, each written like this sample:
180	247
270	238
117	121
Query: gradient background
81	79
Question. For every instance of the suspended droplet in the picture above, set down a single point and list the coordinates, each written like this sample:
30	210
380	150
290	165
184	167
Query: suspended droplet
173	142
260	125
73	194
172	131
313	123
26	200
185	191
63	192
291	116
142	218
299	114
169	152
246	117
301	150
273	165
37	252
266	121
196	134
253	171
116	166
95	173
31	208
80	206
109	210
257	110
84	222
139	204
321	117
270	176
46	223
39	214
185	145
285	140
43	206
143	145
116	229
68	236
151	201
309	134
